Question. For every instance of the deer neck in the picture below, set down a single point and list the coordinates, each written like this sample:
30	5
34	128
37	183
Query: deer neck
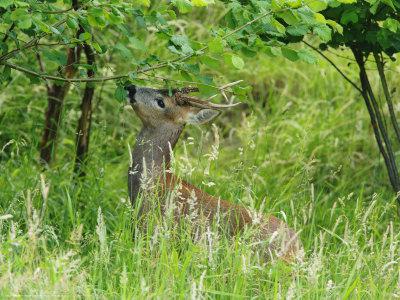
152	153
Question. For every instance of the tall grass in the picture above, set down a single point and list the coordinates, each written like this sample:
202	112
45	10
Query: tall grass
302	150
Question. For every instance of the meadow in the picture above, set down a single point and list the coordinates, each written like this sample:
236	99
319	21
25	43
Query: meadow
300	147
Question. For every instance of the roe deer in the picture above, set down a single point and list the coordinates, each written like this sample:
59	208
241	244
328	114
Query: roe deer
164	118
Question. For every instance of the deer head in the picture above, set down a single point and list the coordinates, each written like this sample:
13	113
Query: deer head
156	107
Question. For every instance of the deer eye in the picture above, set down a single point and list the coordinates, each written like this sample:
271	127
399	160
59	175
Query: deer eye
160	103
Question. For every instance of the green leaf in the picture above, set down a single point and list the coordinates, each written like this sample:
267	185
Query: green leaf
349	16
335	26
72	23
278	26
237	62
97	47
96	17
289	17
384	39
145	3
25	3
323	32
293	3
86	36
5	3
391	24
33	79
18	13
42	26
206	79
276	51
307	56
182	42
115	16
201	3
24	22
216	45
389	3
179	40
22	17
54	30
298	30
6	74
137	44
132	76
191	68
185	75
120	93
58	57
184	6
125	52
289	53
320	18
347	1
210	62
317	5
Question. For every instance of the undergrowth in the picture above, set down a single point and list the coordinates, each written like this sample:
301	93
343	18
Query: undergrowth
301	150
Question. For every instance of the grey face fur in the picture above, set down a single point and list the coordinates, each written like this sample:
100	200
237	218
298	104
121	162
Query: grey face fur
155	108
163	121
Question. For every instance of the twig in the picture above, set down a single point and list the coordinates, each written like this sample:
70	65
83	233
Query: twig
223	88
41	67
228	85
50	77
54	11
180	81
334	65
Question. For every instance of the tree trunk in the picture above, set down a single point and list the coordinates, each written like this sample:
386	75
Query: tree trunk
388	97
380	131
55	98
84	123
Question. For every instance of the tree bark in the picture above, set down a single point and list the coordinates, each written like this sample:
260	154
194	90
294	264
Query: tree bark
55	100
380	132
388	97
85	120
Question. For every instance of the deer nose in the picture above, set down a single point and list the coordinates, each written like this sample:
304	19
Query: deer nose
131	93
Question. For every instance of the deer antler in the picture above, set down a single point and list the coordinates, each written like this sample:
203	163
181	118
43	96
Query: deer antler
184	99
184	90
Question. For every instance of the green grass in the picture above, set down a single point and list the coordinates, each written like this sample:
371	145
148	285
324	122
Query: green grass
303	151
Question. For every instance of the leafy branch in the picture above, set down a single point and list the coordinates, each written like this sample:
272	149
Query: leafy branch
33	42
116	77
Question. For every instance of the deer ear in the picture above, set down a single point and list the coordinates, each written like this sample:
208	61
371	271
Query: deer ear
202	116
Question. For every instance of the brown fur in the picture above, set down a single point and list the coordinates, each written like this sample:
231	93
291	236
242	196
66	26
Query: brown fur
287	247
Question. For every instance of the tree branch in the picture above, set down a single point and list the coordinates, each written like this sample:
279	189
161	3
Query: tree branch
57	78
62	11
377	123
381	71
41	67
335	66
